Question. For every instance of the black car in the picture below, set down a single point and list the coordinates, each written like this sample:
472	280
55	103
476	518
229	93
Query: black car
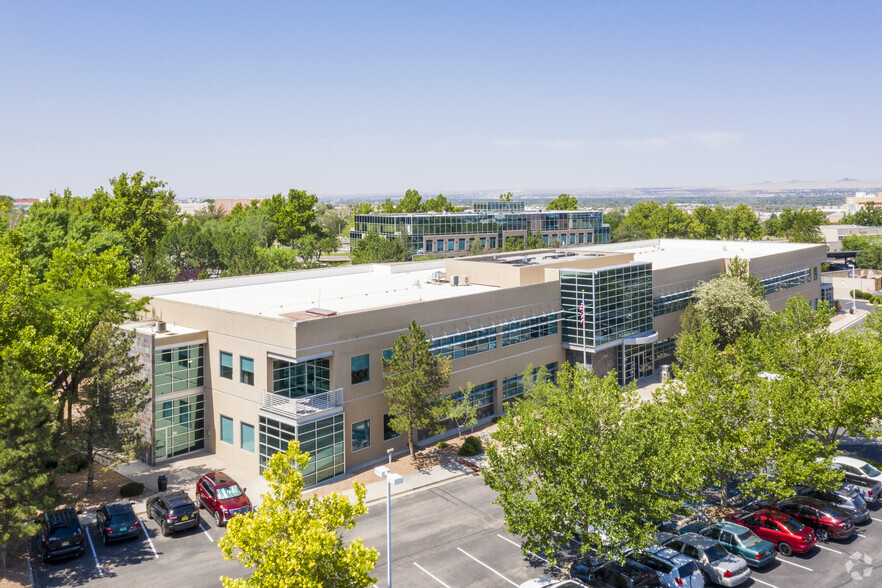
173	510
627	574
117	521
61	535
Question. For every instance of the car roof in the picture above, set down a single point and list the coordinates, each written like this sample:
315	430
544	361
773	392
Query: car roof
849	461
119	507
668	554
174	496
731	527
63	516
771	514
219	478
696	540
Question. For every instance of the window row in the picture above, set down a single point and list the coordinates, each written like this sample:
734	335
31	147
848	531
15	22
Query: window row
305	378
322	439
246	368
784	281
514	385
179	369
531	328
361	433
246	433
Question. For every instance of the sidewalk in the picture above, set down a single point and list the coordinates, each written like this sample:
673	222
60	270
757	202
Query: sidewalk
843	320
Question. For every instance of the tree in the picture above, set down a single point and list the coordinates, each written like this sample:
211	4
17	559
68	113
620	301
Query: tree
736	422
475	248
413	384
513	244
584	456
563	202
669	222
141	210
730	308
868	215
738	223
114	392
507	197
703	223
374	248
297	541
740	268
294	216
412	202
439	204
461	408
801	226
535	241
870	257
27	443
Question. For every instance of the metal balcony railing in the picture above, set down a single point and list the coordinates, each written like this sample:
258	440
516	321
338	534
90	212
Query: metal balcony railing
302	406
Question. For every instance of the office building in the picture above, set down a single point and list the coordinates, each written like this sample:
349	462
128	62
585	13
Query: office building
239	366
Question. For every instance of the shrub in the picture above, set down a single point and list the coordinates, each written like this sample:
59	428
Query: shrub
471	446
496	419
73	463
131	489
443	444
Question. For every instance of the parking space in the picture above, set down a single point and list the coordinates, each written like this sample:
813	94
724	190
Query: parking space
189	557
452	536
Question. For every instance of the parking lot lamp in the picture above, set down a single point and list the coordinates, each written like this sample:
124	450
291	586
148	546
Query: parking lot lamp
391	479
851	265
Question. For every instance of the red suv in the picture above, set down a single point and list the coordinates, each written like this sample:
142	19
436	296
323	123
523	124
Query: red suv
222	496
788	534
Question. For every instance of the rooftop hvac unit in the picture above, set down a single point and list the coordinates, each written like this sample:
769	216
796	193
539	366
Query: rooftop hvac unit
160	327
454	280
465	280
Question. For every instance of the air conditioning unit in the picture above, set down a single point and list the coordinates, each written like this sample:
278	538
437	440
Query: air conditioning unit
454	280
465	280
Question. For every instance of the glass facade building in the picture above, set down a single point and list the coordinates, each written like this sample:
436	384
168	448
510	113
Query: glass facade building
617	304
306	378
179	369
321	438
179	409
451	232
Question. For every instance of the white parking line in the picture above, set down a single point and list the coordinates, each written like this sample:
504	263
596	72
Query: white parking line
95	555
787	561
828	549
530	552
875	519
205	530
149	540
755	579
425	571
486	566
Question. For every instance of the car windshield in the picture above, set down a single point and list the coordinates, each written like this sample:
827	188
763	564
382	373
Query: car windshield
714	553
687	569
748	539
792	525
870	470
227	492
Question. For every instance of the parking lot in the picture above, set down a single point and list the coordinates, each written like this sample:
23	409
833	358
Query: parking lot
452	536
188	558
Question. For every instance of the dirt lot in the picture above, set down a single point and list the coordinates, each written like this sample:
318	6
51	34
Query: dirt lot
107	486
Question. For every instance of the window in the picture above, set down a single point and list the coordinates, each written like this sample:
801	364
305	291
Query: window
440	244
360	366
492	242
361	434
246	370
246	437
428	246
462	245
178	369
226	365
450	243
388	432
226	429
815	272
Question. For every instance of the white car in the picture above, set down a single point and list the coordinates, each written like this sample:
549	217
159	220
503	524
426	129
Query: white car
866	477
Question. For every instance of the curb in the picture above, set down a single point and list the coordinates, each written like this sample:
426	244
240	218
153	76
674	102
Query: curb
416	489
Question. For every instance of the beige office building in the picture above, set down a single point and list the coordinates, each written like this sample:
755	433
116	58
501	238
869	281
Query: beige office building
240	366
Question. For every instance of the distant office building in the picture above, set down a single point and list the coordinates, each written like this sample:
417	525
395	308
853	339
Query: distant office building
492	223
834	234
240	366
854	203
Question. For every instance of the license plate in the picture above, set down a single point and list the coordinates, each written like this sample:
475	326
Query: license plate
123	529
185	518
65	543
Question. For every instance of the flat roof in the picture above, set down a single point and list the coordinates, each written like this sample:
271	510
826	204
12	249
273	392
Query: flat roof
307	294
291	294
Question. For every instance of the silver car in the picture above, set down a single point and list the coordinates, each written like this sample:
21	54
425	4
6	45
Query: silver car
715	563
847	498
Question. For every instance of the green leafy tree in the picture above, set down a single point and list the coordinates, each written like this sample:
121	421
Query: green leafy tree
513	244
729	307
740	268
637	224
614	218
563	202
703	223
412	202
461	408
27	443
738	223
507	197
868	215
535	241
296	541
475	248
387	206
374	248
141	209
801	226
294	216
113	393
870	257
736	422
415	379
669	222
362	208
440	204
584	456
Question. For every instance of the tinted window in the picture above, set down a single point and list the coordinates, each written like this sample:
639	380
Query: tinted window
748	539
714	553
675	545
870	470
122	517
691	551
687	569
769	524
792	526
180	509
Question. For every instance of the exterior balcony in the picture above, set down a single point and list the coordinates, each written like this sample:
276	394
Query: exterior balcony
303	407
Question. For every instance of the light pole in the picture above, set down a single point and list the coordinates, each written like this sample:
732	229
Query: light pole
851	265
391	479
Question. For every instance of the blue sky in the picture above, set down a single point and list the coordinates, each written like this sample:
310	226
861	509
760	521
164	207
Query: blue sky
247	99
